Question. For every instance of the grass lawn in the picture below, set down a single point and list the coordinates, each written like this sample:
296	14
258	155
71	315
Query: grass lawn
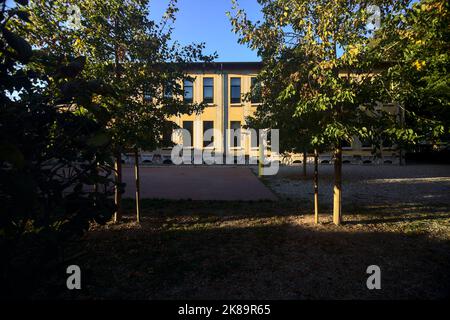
265	250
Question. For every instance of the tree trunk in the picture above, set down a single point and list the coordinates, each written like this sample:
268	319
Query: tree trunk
337	192
304	163
138	188
316	186
118	189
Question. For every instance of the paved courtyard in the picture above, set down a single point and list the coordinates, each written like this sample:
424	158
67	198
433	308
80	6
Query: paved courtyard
362	184
368	184
197	183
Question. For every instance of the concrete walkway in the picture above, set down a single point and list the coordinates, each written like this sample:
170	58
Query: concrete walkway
197	183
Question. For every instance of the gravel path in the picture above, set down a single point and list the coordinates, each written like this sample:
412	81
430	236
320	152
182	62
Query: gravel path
366	185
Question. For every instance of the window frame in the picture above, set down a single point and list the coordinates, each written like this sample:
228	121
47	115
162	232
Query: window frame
191	132
166	94
239	138
207	143
191	100
252	85
211	101
231	91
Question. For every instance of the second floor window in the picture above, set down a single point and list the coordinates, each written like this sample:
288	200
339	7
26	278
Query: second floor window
167	91
147	96
188	87
235	90
255	91
208	90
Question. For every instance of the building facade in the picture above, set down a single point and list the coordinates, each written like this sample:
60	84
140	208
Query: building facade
223	86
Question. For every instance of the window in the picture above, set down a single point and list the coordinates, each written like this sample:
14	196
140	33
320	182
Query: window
254	138
255	91
346	144
235	90
189	126
208	90
167	134
168	91
235	133
366	144
206	126
147	96
387	144
188	91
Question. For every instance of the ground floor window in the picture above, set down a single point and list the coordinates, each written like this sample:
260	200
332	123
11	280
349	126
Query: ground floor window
188	138
235	134
206	126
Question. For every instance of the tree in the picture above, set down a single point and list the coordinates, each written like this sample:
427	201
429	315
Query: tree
133	54
321	48
415	42
51	138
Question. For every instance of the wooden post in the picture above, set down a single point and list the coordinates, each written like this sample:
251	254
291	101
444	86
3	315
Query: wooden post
118	189
118	163
337	191
304	163
138	189
316	186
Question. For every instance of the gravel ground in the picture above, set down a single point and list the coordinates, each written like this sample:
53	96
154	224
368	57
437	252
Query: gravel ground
367	185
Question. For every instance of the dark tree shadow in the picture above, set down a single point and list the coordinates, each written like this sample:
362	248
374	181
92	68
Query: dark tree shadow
254	256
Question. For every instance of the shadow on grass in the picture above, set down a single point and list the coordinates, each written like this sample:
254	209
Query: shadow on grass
213	250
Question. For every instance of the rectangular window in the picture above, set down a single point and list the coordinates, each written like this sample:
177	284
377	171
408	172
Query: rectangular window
255	91
167	134
167	91
235	90
366	144
235	134
346	144
387	144
208	90
188	139
147	96
188	87
254	136
207	125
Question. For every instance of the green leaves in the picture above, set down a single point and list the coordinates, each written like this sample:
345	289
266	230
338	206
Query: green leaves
100	139
20	46
318	69
72	69
22	2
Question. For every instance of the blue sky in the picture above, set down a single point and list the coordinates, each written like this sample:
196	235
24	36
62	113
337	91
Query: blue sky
206	21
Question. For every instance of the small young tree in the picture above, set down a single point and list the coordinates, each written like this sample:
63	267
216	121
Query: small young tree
415	42
132	53
323	46
51	138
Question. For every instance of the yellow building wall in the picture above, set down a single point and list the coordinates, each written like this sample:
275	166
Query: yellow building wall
215	111
240	111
